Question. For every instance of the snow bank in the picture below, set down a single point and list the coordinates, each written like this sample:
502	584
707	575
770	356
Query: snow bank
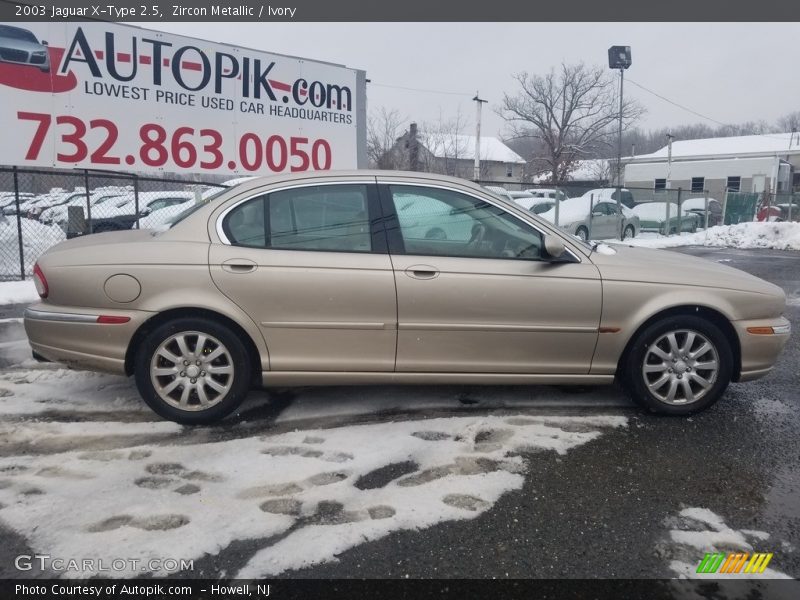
36	238
775	236
17	292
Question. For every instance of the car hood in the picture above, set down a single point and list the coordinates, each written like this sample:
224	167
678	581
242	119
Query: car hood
666	267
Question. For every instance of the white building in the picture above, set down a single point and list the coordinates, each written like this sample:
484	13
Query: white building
750	163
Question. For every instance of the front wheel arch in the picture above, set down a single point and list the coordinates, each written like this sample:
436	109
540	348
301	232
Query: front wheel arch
716	317
182	313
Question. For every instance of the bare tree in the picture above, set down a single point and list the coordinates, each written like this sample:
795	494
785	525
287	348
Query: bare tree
573	111
446	147
383	128
790	122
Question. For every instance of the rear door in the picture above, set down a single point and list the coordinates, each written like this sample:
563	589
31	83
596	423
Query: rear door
474	293
309	265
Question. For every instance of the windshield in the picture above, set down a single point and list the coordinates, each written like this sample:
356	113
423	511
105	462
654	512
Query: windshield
15	33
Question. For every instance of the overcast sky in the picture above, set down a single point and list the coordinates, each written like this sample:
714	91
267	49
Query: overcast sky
730	72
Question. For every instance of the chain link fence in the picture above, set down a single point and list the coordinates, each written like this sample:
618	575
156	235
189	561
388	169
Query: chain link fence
40	208
590	211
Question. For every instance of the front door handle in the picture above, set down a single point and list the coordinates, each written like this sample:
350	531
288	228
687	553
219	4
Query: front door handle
239	266
422	272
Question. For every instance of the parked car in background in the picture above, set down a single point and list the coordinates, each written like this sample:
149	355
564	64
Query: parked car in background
20	47
316	278
123	216
161	219
653	217
535	205
698	207
9	199
552	193
610	194
58	215
600	223
500	191
779	212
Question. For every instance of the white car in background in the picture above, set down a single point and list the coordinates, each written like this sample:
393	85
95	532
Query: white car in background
601	222
58	215
552	193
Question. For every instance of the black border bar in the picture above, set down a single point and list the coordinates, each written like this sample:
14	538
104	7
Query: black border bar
221	11
391	589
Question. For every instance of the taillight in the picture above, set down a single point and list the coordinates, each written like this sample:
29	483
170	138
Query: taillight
40	282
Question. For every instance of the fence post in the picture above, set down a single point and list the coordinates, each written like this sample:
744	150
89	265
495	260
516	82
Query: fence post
88	200
725	207
136	198
667	228
591	209
19	228
678	227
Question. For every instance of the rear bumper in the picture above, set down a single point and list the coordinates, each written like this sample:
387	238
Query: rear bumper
72	336
759	350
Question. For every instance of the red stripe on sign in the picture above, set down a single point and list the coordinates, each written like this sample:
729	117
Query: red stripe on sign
98	54
166	62
122	57
145	60
191	66
284	87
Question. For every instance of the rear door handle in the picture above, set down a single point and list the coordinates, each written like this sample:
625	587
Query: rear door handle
239	265
422	272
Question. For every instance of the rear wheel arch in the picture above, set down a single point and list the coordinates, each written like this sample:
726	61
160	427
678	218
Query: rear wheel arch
714	316
191	312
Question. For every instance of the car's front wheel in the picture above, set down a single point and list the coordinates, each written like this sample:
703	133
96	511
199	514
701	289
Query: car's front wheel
582	233
629	232
679	365
192	371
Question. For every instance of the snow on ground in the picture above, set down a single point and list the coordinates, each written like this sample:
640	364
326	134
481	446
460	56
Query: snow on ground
148	489
696	531
776	236
154	501
17	292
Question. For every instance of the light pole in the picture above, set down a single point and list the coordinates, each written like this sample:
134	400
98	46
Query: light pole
619	57
476	171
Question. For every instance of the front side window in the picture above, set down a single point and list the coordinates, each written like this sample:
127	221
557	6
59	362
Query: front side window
440	222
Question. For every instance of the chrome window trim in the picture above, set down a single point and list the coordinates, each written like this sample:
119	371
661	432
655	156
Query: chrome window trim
218	225
472	195
46	315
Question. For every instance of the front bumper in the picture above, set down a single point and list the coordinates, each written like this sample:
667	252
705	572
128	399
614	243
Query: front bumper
72	336
760	350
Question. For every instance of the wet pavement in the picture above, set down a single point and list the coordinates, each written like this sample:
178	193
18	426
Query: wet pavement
604	509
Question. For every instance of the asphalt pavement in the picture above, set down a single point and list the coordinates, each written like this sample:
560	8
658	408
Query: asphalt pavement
607	507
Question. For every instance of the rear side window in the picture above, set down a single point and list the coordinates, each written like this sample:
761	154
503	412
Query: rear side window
325	217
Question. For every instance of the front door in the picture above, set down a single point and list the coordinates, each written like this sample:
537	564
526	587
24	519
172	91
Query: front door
305	265
475	292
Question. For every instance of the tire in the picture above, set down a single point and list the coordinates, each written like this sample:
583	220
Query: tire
706	385
582	233
628	232
224	390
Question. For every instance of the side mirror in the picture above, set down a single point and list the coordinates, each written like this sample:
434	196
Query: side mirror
145	211
554	246
44	43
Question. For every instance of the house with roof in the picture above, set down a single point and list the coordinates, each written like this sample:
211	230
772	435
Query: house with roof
454	154
749	163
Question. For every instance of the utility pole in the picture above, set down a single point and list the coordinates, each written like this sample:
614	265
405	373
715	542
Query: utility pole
619	57
476	172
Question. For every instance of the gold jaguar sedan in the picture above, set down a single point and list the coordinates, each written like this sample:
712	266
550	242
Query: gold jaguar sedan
371	277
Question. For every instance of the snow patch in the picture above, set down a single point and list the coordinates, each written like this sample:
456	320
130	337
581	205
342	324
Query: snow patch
17	292
155	500
775	236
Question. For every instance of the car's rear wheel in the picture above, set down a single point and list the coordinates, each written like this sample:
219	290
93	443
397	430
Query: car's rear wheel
679	365
629	232
193	371
582	233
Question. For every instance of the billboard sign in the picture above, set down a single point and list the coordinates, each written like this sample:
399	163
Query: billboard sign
109	96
